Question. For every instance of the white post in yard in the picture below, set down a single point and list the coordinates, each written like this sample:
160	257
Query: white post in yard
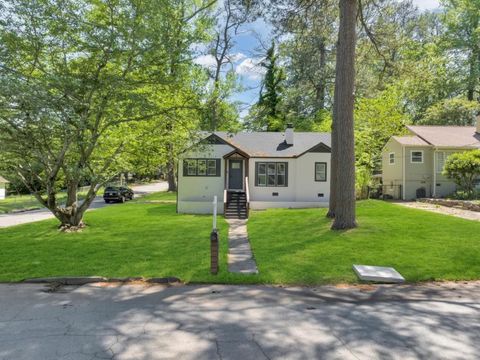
215	213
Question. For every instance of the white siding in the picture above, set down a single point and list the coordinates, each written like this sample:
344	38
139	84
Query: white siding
195	193
302	189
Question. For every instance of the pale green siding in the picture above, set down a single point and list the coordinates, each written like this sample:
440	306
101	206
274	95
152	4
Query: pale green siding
417	175
392	174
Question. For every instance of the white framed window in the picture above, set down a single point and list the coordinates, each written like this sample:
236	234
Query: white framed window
262	174
271	174
201	167
212	167
192	167
440	161
321	171
416	156
281	173
391	158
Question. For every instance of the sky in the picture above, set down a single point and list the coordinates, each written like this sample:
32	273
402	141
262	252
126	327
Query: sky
248	50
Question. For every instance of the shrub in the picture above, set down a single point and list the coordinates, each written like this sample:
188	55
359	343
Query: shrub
464	168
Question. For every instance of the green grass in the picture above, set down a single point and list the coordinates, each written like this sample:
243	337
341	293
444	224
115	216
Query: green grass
160	197
132	239
28	202
147	238
297	246
18	202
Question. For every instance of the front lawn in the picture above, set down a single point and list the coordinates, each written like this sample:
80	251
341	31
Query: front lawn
121	240
297	246
147	238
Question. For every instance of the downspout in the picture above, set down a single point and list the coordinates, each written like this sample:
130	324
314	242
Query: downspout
403	170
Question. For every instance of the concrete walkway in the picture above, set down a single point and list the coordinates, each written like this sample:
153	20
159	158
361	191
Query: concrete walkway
240	257
109	321
7	220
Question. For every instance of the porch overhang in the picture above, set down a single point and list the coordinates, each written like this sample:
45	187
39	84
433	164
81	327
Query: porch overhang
236	154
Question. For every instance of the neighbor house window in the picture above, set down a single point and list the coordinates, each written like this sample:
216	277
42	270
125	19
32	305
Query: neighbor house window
320	171
271	174
391	158
440	163
201	167
416	156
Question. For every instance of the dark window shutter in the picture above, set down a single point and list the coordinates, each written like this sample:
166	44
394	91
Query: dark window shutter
286	174
218	167
185	167
256	174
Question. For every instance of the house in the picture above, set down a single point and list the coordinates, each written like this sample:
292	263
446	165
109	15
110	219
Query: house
256	170
415	162
3	184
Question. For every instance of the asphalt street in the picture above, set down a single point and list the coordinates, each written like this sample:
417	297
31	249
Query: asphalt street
111	321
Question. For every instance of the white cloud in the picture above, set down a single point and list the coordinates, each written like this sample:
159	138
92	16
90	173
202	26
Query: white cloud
207	61
427	4
237	57
250	68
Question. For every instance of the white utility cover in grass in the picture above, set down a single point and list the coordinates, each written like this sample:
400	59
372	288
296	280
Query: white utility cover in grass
378	274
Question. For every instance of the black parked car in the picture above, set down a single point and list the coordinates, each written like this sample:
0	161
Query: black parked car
117	194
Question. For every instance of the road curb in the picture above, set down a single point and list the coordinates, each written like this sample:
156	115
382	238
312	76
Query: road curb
83	280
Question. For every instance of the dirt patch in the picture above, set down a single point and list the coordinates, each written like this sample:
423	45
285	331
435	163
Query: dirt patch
461	213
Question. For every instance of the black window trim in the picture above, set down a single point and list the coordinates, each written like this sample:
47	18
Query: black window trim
315	171
217	167
257	163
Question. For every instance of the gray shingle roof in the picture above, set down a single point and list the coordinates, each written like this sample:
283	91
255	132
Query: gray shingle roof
448	136
411	140
272	144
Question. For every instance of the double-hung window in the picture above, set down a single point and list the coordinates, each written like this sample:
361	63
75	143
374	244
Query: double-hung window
201	167
391	158
320	171
271	174
440	161
416	156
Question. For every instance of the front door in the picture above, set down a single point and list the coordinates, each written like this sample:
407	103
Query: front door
235	175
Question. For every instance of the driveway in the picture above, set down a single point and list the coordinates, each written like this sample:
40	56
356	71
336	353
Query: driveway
7	220
108	321
461	213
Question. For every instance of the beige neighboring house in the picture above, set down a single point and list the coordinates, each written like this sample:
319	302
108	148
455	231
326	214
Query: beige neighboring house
416	161
3	184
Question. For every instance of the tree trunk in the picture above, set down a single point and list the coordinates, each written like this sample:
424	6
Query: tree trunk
171	176
474	73
333	162
343	122
321	86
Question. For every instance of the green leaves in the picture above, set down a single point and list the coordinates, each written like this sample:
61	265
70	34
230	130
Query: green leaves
457	112
464	169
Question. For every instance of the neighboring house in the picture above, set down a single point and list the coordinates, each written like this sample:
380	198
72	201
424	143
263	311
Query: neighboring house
256	170
3	184
416	161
